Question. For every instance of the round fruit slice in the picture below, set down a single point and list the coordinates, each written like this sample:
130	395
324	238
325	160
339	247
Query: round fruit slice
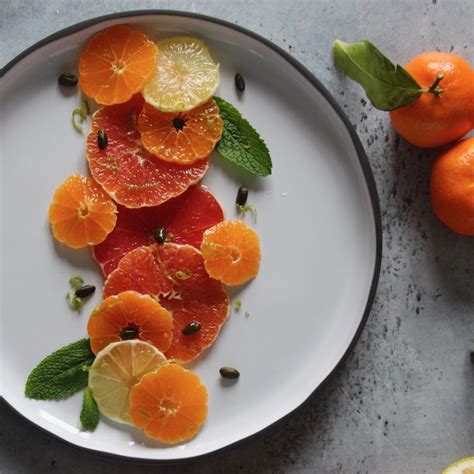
169	404
185	75
175	275
116	370
126	171
181	137
231	252
183	220
130	315
463	466
81	213
116	64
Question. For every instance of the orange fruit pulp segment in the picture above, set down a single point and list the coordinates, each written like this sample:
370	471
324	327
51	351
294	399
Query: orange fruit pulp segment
169	404
115	64
130	315
231	252
81	213
182	137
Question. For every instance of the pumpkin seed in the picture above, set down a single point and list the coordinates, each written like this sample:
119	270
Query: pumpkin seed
242	195
67	80
239	82
84	291
229	373
102	139
192	328
160	235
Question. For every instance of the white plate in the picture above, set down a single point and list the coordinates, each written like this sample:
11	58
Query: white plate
318	219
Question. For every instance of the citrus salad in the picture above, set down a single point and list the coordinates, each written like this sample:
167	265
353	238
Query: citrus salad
159	237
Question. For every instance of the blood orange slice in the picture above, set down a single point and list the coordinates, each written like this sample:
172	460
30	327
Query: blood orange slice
126	171
175	275
183	220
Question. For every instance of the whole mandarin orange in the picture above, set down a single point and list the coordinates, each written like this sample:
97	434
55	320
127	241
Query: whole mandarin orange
445	112
452	187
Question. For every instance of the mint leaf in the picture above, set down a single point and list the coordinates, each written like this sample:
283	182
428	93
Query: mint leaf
388	86
61	374
241	144
90	414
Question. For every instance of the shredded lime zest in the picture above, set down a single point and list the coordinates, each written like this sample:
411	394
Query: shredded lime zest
238	305
216	249
249	207
81	113
76	281
183	274
247	314
75	302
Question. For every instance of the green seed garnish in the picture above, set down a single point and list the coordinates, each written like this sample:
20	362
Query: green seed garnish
229	373
160	235
192	328
247	314
67	80
128	334
242	195
237	305
76	281
239	82
102	140
85	291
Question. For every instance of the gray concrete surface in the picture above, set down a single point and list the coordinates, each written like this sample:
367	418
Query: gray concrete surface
403	402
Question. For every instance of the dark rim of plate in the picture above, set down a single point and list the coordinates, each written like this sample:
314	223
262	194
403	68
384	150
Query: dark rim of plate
363	160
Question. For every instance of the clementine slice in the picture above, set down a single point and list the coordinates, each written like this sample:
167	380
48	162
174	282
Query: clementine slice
130	315
181	137
115	64
176	277
81	213
183	220
231	252
126	171
169	404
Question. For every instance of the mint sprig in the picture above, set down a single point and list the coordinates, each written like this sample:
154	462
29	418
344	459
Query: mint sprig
90	414
62	373
240	142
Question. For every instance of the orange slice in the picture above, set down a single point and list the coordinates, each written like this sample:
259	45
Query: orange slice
182	137
169	404
231	252
81	213
115	64
130	315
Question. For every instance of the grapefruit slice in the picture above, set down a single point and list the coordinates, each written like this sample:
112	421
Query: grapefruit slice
183	220
176	277
127	172
169	404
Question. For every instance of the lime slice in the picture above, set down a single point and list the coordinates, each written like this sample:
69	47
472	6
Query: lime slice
185	75
116	369
463	466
